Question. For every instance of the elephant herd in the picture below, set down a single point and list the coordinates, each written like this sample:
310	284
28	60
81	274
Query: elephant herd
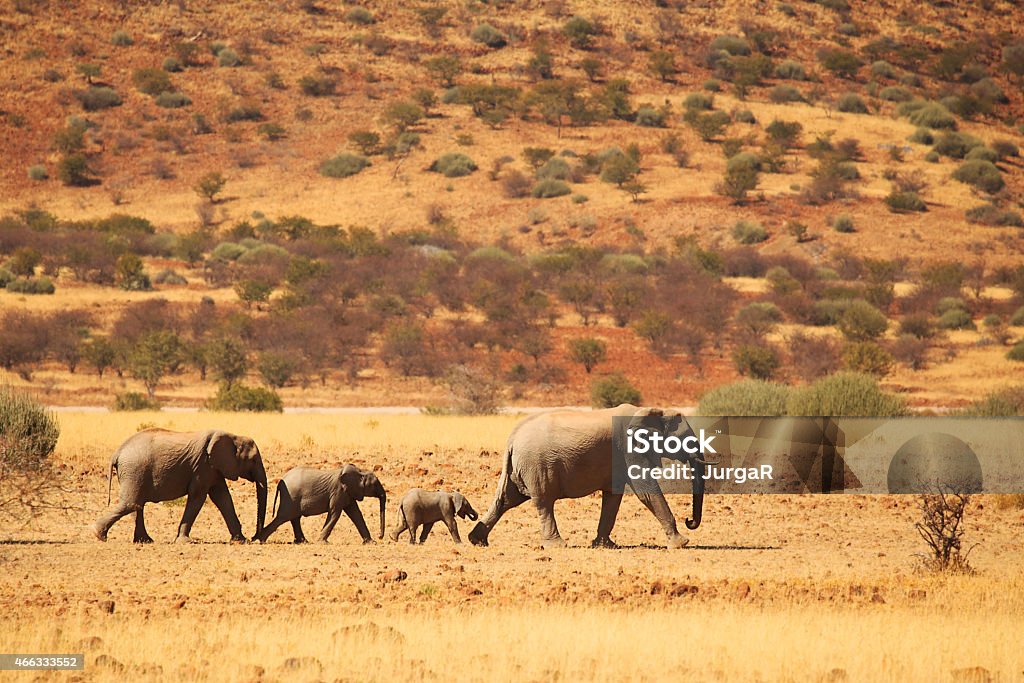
548	457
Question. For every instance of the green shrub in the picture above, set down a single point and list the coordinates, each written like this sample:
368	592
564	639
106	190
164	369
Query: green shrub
851	103
734	45
843	223
749	232
785	93
845	394
928	114
902	202
133	401
37	172
31	285
759	362
882	69
28	432
748	397
172	100
121	39
227	251
790	70
922	136
956	319
453	165
152	81
932	157
271	131
840	62
555	168
982	153
744	116
1005	148
981	174
172	65
991	214
867	357
1004	403
743	161
580	32
343	165
548	188
244	112
228	58
169	276
359	15
6	277
895	93
861	321
697	101
276	368
97	98
712	85
1017	352
489	36
239	397
318	85
650	117
612	390
956	145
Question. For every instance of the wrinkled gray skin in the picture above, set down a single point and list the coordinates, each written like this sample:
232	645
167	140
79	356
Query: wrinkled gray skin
568	454
157	465
305	492
419	507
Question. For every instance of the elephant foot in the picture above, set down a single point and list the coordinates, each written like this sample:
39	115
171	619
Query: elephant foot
556	542
678	541
183	539
142	539
299	541
369	541
478	536
99	532
604	542
238	540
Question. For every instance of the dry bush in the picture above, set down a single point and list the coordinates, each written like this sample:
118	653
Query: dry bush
941	527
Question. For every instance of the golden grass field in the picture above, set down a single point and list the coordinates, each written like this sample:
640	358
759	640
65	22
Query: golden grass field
772	588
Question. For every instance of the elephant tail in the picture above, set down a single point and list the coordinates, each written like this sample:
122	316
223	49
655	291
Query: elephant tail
110	475
277	492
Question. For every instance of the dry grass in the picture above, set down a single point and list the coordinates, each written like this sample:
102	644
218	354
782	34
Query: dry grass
772	588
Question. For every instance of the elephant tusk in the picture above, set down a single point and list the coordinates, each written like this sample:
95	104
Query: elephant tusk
706	463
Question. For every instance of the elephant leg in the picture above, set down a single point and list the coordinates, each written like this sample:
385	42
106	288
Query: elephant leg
426	532
549	535
610	502
399	528
453	528
356	516
297	530
507	498
656	503
332	518
274	525
140	527
221	497
103	524
193	504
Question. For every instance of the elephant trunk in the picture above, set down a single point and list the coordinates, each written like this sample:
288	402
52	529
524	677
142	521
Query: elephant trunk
260	478
698	495
383	496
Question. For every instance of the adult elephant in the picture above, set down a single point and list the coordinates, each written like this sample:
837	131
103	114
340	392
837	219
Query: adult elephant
157	465
569	454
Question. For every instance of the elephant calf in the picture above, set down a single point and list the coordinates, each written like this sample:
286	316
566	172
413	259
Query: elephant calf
305	492
427	507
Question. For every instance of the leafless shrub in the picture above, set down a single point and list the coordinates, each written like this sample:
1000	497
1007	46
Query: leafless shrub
941	527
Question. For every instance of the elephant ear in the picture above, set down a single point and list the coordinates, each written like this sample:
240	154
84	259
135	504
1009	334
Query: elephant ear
459	500
645	416
674	420
352	481
223	453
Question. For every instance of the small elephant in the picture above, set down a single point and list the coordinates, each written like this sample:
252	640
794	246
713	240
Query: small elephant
306	492
427	507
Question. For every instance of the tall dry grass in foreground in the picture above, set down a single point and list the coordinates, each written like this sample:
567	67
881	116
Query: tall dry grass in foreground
727	642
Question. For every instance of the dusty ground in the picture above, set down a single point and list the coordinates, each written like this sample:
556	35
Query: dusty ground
771	588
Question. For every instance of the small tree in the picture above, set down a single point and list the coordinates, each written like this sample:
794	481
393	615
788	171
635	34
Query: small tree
28	436
253	291
210	185
228	359
663	65
403	115
131	273
588	352
738	182
100	354
941	527
156	355
445	68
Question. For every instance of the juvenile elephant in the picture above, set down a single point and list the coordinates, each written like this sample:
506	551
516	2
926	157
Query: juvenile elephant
427	507
157	465
569	454
305	492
